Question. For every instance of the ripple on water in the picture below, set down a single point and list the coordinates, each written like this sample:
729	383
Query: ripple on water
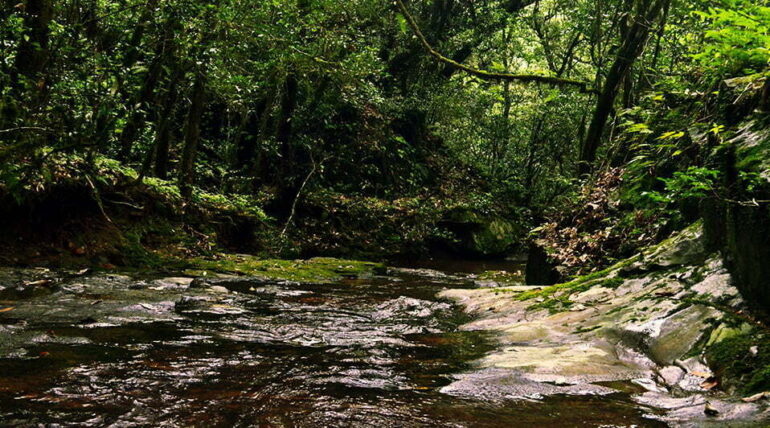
176	352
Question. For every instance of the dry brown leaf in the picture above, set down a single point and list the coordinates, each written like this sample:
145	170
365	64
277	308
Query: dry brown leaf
6	309
709	384
756	397
38	282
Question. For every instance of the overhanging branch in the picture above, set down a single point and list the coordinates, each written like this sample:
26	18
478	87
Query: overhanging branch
489	75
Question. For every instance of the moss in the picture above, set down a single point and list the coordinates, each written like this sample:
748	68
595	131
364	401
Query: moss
582	329
733	360
501	276
319	269
556	297
613	282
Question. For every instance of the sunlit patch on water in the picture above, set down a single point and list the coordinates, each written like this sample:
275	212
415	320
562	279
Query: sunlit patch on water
248	353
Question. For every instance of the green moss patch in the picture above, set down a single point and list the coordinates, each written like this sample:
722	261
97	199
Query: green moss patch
319	269
556	297
501	276
743	361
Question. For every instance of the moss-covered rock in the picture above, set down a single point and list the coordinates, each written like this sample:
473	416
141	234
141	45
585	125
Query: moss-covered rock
319	269
481	235
743	361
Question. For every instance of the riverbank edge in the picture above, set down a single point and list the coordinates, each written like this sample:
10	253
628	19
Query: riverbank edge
667	319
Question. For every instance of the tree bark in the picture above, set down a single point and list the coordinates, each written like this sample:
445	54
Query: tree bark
165	132
192	136
630	50
33	49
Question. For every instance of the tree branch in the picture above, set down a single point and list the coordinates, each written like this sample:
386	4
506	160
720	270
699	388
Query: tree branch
489	75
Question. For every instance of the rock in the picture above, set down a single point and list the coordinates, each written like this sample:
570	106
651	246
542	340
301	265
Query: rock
499	384
479	234
407	306
683	249
671	375
171	283
668	339
648	384
218	289
710	410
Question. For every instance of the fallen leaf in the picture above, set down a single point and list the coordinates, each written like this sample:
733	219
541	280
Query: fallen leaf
709	383
756	397
6	309
38	282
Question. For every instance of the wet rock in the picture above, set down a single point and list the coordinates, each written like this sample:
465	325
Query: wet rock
505	384
206	305
671	375
158	308
409	307
579	362
480	235
668	338
171	283
233	283
681	331
718	288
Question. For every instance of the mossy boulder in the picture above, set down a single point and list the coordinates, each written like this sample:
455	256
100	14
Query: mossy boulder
481	235
318	269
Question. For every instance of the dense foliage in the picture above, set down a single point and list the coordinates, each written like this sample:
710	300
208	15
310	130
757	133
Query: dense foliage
311	107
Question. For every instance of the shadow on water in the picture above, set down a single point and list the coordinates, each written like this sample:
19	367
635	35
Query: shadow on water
369	352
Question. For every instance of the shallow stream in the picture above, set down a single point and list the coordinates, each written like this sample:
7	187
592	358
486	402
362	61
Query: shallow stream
100	350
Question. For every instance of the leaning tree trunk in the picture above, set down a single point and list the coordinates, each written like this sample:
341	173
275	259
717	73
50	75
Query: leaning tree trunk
630	50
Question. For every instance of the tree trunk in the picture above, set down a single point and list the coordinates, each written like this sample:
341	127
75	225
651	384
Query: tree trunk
136	37
192	136
146	96
33	49
165	132
630	50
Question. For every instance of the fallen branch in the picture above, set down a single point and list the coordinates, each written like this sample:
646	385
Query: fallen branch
489	75
299	193
98	199
24	128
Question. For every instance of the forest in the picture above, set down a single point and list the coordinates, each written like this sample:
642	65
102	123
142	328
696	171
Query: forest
384	212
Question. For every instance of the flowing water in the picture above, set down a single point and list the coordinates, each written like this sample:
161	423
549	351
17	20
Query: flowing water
99	350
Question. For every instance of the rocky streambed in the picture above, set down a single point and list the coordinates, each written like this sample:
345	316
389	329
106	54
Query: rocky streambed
662	322
369	347
364	349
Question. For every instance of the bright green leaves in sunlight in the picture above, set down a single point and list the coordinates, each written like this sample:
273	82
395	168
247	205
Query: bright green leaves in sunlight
738	40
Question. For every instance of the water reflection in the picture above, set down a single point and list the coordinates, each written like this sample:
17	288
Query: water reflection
355	353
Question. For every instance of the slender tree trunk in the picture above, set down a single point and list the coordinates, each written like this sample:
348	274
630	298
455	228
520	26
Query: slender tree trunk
33	49
284	129
192	136
629	51
138	34
165	131
136	119
146	96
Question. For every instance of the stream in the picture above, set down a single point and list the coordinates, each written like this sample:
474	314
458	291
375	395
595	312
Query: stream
82	349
